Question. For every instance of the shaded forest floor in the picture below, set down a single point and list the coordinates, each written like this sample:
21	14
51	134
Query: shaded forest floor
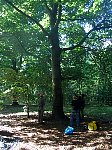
50	134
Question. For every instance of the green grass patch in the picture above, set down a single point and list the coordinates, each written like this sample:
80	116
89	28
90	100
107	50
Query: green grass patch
98	110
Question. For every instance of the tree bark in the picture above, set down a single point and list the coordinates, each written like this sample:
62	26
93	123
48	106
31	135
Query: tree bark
57	110
56	85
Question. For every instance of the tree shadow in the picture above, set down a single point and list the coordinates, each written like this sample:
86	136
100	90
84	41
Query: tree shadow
51	132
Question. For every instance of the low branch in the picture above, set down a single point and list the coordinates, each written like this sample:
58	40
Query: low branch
78	44
32	19
85	37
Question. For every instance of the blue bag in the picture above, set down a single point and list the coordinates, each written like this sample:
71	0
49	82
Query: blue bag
69	130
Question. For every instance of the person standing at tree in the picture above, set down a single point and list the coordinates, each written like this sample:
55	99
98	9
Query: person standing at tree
75	111
14	101
41	104
82	101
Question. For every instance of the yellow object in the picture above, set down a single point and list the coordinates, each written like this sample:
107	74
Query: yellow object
92	126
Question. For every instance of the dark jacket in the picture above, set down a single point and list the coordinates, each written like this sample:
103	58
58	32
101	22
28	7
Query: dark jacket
76	105
82	101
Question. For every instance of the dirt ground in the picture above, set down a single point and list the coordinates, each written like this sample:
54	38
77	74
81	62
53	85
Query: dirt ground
50	134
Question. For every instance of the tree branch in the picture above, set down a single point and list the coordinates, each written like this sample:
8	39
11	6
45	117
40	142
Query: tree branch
32	19
59	14
48	9
95	28
78	44
85	37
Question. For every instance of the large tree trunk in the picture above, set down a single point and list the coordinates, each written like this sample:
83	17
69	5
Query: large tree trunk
56	83
57	110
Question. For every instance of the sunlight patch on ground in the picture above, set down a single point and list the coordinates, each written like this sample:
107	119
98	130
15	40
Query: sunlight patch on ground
6	128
